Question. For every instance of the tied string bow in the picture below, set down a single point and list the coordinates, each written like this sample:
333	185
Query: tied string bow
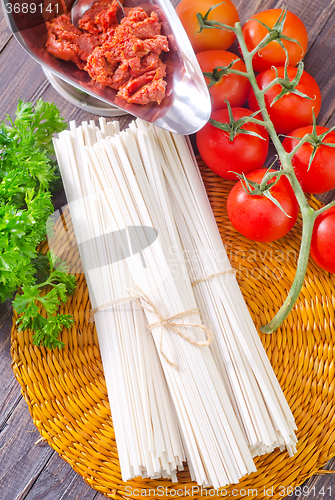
145	303
153	309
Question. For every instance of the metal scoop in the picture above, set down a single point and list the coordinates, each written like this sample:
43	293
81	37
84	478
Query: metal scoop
81	6
186	107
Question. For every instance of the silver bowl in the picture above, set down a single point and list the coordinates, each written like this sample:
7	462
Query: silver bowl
186	107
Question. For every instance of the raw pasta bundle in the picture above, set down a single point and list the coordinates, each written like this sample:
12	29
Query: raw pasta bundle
254	391
146	429
157	310
216	449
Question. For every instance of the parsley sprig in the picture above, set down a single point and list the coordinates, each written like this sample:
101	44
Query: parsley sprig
39	303
27	175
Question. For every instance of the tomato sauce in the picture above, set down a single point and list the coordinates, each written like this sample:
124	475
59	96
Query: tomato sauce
125	56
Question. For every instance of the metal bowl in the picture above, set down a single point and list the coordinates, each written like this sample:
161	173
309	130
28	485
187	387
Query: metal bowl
186	107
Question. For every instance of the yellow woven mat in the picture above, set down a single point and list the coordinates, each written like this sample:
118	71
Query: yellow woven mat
66	392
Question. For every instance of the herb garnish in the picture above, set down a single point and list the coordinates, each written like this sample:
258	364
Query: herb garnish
27	173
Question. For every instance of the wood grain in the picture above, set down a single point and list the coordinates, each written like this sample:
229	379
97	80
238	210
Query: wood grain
58	480
5	33
21	460
10	394
319	486
36	472
5	312
21	77
323	70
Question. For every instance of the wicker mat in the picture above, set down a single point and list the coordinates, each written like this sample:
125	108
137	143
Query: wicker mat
66	392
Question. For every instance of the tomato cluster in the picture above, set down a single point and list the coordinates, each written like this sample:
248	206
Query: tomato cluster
235	149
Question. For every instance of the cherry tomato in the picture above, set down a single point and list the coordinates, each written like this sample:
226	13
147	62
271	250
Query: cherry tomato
320	177
291	111
273	54
243	154
257	217
322	245
234	88
208	39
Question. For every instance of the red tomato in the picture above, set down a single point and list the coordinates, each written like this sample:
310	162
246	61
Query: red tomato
291	111
234	88
273	54
208	39
257	217
244	154
322	245
321	175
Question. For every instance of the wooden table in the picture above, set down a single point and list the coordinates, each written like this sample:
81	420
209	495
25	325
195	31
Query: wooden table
34	471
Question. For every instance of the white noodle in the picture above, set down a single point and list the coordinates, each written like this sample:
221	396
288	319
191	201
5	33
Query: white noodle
124	340
221	404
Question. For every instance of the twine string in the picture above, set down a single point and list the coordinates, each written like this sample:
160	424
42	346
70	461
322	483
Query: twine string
145	303
215	275
107	305
126	299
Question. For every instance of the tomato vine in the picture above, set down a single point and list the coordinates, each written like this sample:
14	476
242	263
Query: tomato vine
309	215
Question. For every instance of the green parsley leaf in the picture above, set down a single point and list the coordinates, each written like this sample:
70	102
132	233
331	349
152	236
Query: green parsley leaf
28	173
37	305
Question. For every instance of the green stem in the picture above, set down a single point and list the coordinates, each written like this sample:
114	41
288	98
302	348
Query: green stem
266	40
237	72
261	123
274	82
326	207
307	229
298	146
308	214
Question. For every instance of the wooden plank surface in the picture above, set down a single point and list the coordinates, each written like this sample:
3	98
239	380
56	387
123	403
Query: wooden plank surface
34	471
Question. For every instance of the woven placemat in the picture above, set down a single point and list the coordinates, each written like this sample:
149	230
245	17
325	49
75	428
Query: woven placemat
66	392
